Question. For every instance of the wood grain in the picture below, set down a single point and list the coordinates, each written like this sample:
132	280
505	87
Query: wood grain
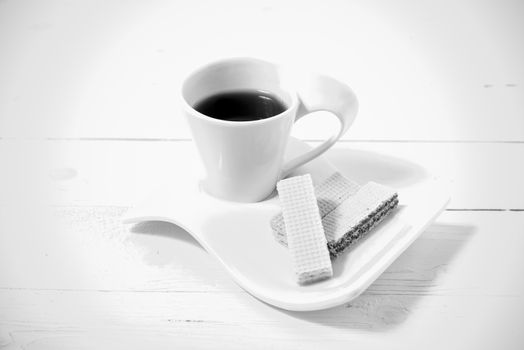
172	287
121	173
442	71
152	284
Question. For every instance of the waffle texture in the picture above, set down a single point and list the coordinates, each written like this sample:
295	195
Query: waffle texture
330	194
356	216
348	211
303	226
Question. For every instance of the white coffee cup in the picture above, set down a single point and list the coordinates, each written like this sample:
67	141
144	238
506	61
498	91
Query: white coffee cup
244	160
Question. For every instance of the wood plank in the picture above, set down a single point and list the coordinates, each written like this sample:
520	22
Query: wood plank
158	287
113	69
479	175
429	325
160	257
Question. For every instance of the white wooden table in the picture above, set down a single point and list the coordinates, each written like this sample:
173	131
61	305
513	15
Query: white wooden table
89	122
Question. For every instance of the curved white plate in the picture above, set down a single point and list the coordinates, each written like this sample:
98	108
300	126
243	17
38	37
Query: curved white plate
239	236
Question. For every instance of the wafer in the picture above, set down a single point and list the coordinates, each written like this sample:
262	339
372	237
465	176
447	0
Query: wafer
305	235
348	211
330	194
356	216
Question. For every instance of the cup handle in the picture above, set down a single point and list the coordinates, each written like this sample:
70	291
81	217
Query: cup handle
323	93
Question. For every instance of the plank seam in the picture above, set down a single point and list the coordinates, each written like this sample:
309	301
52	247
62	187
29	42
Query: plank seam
63	206
160	139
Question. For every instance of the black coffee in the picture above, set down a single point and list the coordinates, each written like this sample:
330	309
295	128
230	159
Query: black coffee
241	106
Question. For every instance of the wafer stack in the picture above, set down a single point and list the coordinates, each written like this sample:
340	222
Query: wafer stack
347	210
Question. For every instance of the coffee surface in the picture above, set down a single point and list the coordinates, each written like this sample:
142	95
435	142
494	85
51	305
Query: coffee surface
241	106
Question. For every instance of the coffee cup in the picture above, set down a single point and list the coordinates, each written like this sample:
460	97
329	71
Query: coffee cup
241	112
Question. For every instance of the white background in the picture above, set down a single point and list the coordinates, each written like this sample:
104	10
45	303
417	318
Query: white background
88	115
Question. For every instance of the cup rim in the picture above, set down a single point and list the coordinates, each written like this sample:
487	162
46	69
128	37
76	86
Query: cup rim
193	111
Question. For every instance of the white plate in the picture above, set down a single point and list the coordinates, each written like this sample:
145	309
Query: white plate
240	238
